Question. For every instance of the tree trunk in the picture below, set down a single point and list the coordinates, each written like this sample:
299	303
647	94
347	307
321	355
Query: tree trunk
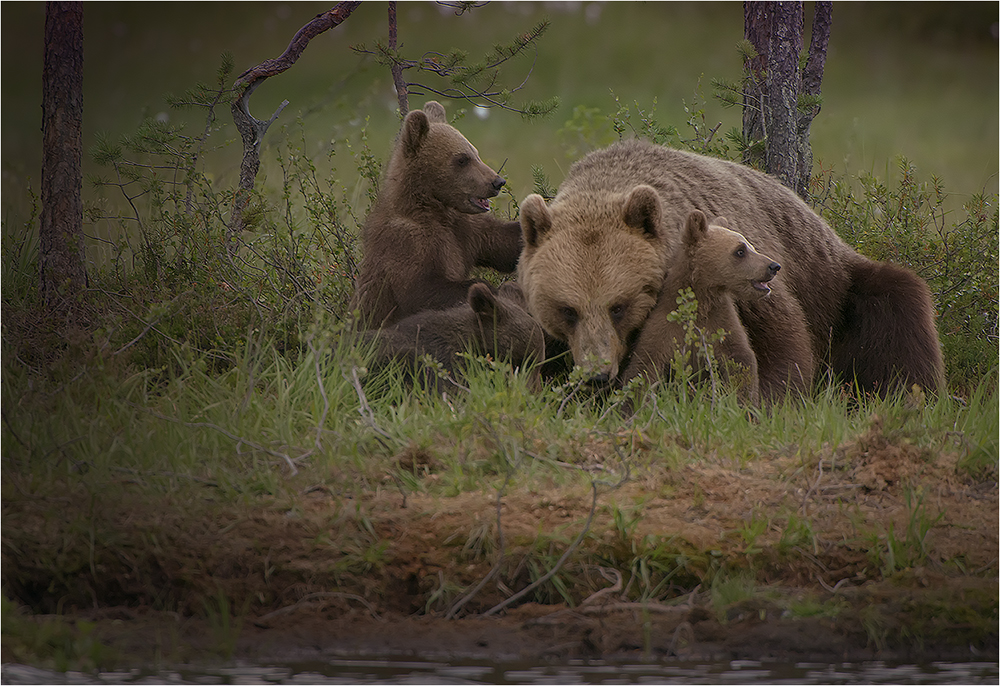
402	92
773	106
755	30
812	78
781	86
60	260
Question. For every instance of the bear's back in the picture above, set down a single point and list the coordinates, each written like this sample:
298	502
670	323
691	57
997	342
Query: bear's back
770	215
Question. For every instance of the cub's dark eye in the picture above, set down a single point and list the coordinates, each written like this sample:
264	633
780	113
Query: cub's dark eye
569	315
462	160
617	312
740	252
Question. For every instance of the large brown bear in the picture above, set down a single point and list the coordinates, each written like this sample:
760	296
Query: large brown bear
721	268
431	224
594	260
488	323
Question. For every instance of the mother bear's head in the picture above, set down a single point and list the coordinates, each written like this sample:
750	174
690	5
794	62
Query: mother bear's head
591	270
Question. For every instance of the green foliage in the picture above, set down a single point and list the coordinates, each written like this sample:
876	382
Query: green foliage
587	131
543	186
644	125
52	642
906	223
698	345
728	589
590	129
979	428
894	551
225	626
165	229
19	257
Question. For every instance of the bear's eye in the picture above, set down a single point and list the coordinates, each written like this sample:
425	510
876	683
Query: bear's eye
617	311
570	316
462	160
740	252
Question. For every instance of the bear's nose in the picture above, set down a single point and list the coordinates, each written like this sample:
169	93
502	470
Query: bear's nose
773	268
498	183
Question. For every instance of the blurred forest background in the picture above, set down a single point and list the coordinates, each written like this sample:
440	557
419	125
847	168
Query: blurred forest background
913	79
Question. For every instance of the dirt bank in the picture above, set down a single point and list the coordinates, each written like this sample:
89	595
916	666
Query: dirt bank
874	550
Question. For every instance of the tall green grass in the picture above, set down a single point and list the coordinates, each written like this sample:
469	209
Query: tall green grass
270	415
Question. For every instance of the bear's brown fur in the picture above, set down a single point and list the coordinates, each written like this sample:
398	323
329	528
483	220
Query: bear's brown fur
592	285
720	267
594	260
488	323
431	224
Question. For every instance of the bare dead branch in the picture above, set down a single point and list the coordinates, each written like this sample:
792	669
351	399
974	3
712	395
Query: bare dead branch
611	575
251	129
365	410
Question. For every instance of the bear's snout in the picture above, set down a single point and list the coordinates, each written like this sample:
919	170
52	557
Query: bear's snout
773	268
498	183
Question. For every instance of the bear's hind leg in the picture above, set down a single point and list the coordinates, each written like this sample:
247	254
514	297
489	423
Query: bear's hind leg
886	338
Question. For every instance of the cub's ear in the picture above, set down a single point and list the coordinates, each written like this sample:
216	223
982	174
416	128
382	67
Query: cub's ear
536	220
721	221
435	112
483	301
697	227
642	211
414	133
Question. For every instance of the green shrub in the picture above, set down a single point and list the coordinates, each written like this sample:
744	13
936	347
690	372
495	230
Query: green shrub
171	266
906	223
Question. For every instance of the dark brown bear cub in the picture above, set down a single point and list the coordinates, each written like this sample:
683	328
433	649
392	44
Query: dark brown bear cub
721	267
488	324
431	224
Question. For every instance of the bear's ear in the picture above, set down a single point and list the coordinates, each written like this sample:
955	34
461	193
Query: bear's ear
697	227
721	221
483	301
435	112
536	220
642	210
509	290
415	128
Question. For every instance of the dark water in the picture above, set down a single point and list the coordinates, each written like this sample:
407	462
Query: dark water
411	671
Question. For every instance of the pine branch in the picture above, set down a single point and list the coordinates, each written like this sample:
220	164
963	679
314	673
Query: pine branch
477	83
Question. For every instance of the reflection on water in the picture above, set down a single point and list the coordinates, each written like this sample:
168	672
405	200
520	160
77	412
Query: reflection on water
410	671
